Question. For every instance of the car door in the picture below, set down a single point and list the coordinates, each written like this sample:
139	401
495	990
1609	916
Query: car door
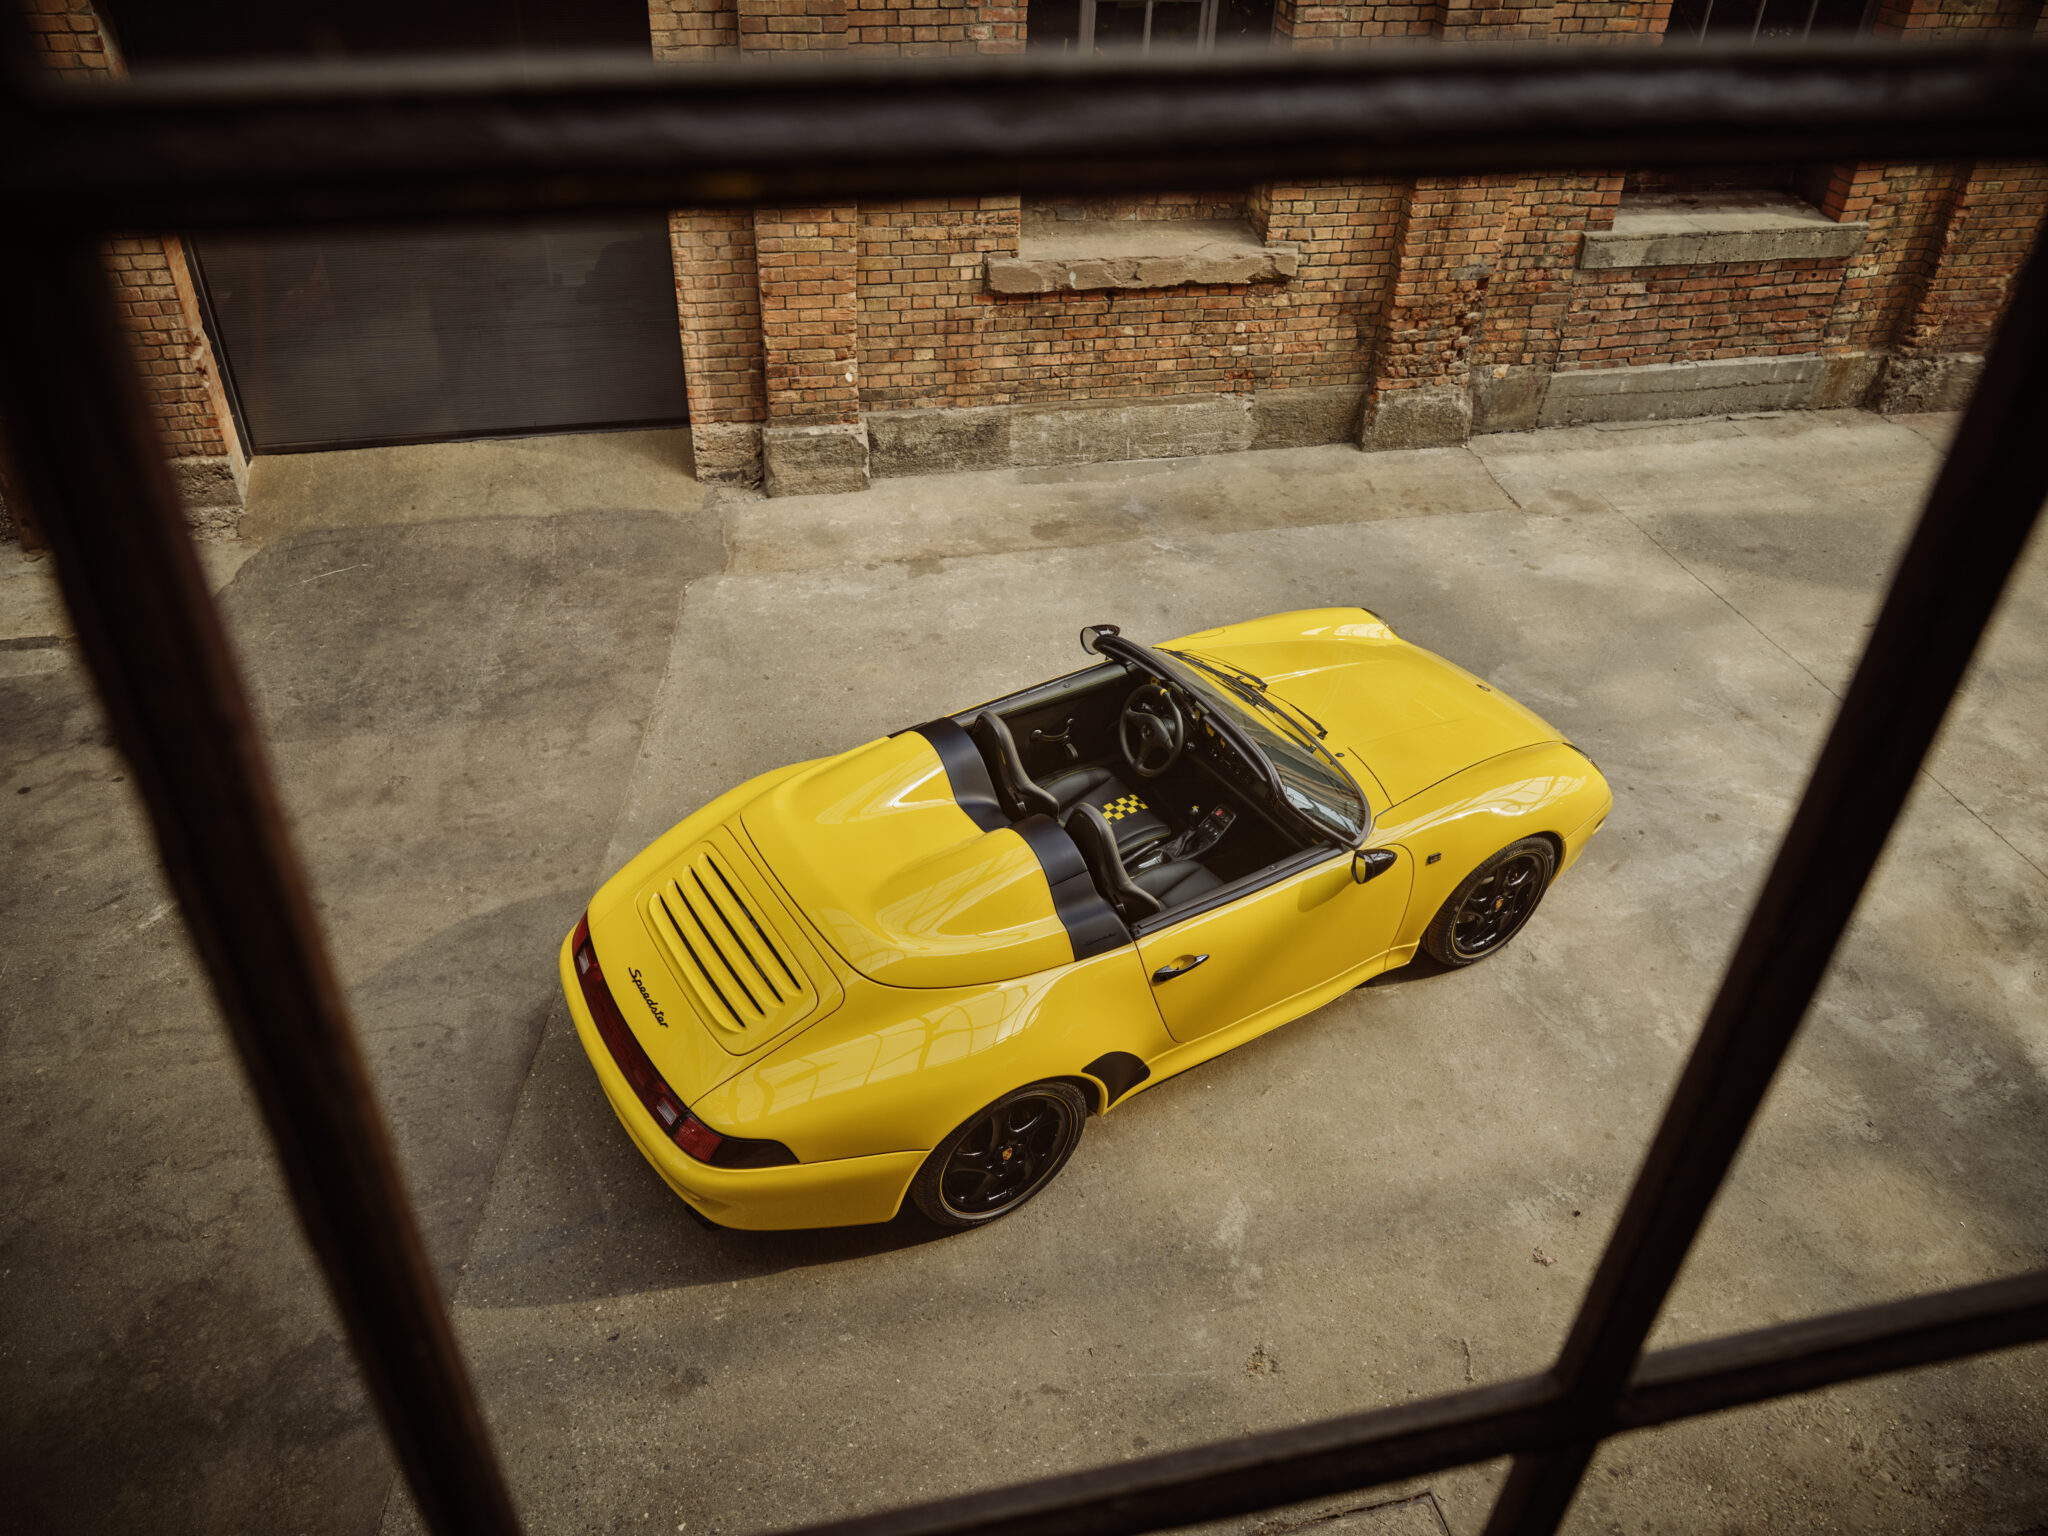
1269	947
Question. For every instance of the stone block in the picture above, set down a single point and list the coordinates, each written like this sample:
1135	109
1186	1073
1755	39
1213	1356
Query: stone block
1679	230
814	461
1083	274
726	453
211	491
1103	431
1306	417
1438	416
1943	382
1659	391
932	442
1507	399
1850	381
1055	256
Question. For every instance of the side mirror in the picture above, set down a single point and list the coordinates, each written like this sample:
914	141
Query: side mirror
1371	863
1090	633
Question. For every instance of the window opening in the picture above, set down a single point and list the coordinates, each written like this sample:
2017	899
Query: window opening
1774	20
1096	27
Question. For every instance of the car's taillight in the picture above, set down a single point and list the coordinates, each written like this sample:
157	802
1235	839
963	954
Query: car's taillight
681	1127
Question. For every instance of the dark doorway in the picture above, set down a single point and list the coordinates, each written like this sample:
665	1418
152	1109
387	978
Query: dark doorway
335	339
340	339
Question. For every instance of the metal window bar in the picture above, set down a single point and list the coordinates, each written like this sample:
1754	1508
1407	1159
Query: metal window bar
271	147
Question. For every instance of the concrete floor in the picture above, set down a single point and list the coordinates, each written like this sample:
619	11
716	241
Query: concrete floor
490	673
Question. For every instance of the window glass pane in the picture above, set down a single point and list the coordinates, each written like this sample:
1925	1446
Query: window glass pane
1244	23
1053	25
1119	24
1176	23
1727	20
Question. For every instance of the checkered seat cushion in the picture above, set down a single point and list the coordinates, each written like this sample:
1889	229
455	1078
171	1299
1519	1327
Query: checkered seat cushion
1135	823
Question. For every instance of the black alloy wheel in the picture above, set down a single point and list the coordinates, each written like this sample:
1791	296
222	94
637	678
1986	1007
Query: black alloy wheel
1001	1157
1493	904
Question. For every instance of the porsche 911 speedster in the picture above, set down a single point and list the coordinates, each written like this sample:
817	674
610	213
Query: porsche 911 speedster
916	967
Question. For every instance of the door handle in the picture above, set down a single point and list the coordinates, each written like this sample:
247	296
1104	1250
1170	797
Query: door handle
1168	972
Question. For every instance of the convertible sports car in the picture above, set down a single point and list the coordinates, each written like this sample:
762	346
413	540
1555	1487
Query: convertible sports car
916	967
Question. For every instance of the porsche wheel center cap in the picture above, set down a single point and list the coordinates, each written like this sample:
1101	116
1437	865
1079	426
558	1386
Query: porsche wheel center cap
1007	1151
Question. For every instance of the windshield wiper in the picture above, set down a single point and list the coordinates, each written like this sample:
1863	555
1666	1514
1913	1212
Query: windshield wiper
1279	703
1216	663
1243	684
1265	693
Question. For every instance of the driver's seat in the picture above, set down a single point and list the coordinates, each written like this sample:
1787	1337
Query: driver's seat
1134	824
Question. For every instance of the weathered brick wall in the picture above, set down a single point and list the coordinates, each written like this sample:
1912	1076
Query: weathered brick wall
1695	314
686	31
1533	271
158	302
932	335
807	258
718	300
1997	213
1448	286
771	27
894	28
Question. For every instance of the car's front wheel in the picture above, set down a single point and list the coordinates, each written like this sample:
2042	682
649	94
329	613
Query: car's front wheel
1493	903
1001	1157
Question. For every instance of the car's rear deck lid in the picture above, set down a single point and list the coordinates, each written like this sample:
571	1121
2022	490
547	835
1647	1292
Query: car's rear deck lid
741	957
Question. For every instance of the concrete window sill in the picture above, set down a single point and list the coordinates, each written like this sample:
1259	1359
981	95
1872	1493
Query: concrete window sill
1684	229
1079	255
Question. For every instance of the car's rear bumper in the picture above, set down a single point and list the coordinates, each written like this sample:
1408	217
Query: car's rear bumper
844	1192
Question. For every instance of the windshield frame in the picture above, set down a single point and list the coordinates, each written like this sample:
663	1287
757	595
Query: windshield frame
1194	675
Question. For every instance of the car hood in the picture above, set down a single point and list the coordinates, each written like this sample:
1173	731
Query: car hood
1409	717
874	849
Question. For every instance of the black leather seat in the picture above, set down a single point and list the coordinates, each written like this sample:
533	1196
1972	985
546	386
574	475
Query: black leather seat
1135	824
1160	889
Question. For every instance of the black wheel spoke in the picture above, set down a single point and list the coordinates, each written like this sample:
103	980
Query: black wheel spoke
1496	905
1006	1154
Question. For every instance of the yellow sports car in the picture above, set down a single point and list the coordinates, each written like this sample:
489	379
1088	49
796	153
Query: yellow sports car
917	967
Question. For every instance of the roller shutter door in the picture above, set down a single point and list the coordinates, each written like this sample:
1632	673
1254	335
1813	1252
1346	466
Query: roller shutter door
335	340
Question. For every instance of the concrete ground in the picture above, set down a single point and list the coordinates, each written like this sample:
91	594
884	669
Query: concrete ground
491	672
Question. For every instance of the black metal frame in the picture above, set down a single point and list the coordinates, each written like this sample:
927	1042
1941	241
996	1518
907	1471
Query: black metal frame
275	147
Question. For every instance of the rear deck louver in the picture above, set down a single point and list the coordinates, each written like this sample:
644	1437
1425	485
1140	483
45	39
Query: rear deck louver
723	938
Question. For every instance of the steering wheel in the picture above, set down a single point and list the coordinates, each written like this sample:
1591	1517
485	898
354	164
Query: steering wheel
1152	731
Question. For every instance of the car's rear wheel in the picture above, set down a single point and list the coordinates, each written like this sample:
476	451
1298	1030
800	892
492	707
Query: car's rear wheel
1493	904
1001	1157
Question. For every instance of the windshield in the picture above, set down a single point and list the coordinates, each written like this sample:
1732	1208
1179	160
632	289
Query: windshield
1313	781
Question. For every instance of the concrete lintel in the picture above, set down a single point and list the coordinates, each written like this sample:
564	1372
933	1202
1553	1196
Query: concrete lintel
1663	231
814	460
1080	274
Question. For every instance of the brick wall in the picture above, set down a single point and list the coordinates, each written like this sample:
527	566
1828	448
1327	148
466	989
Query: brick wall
1444	288
159	304
807	258
932	335
1695	314
690	31
1996	213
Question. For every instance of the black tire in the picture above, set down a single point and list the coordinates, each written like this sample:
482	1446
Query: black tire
1001	1157
1492	904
